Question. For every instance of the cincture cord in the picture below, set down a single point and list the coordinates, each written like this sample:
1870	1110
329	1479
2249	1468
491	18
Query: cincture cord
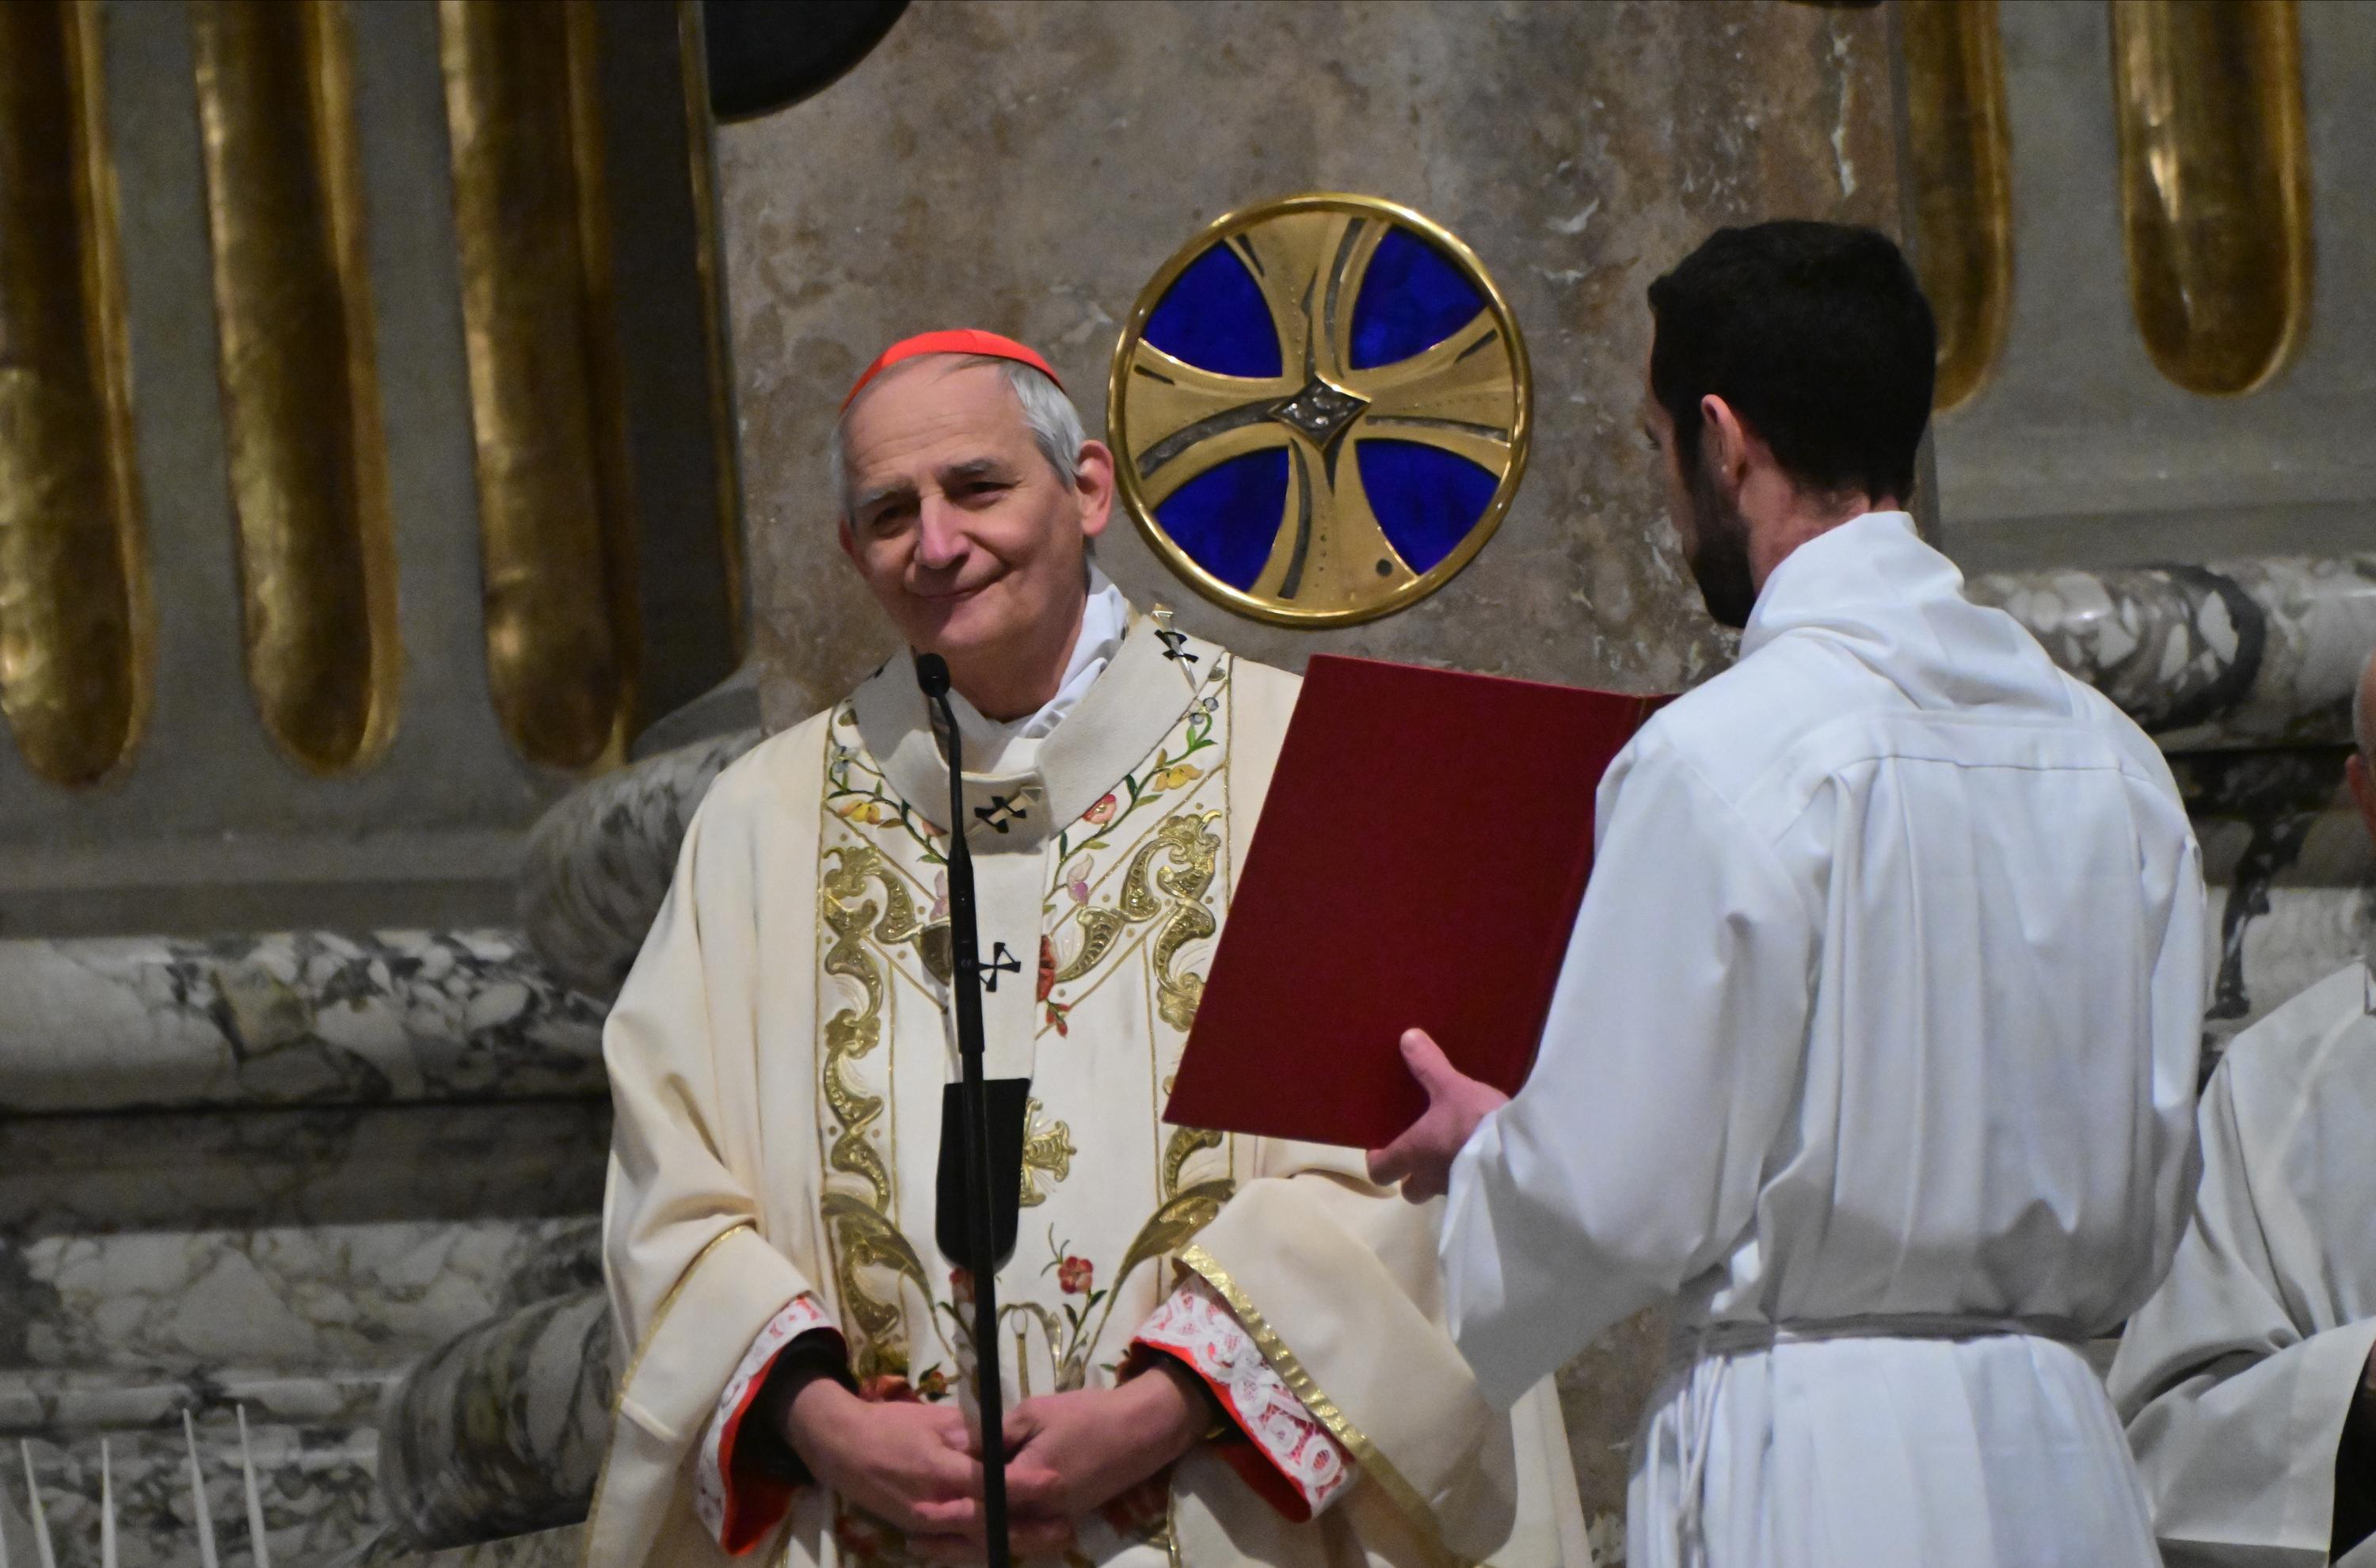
1699	1416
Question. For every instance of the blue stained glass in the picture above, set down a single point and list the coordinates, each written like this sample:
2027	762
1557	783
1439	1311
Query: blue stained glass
1426	498
1412	299
1226	517
1213	316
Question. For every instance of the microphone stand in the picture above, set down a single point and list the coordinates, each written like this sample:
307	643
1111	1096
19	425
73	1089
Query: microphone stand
965	944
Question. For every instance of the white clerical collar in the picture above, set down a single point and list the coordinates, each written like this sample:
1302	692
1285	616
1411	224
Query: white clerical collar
1023	797
1103	620
1871	553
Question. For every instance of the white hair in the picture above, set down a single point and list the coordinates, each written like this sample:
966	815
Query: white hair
1055	424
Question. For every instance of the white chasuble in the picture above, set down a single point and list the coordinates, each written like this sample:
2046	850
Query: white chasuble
2238	1377
779	1058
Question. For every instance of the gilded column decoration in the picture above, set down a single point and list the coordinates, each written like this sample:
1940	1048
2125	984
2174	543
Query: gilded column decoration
562	638
1963	201
701	153
74	605
300	393
2214	191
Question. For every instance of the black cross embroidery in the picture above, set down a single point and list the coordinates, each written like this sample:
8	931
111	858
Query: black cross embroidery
1000	812
1173	642
1002	962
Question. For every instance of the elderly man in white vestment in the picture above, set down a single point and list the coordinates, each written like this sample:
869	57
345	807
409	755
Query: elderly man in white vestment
1875	1047
1226	1350
2249	1381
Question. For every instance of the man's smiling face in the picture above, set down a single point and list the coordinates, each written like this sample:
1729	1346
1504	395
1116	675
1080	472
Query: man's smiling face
971	541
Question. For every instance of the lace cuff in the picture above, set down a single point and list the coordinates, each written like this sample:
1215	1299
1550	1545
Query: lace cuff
737	1505
1288	1456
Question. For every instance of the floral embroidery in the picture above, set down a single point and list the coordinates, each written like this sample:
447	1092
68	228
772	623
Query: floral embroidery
855	792
1057	1011
1061	1327
1173	778
1166	773
1195	1324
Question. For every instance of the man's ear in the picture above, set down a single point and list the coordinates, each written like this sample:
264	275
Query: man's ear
2362	781
1093	484
848	542
1724	441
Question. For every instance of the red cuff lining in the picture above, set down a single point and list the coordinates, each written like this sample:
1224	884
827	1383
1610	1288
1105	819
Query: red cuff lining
1250	1459
756	1502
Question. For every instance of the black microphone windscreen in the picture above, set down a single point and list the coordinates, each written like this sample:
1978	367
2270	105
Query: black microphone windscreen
933	674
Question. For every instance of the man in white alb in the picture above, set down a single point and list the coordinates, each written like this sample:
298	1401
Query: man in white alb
1875	1047
2249	1381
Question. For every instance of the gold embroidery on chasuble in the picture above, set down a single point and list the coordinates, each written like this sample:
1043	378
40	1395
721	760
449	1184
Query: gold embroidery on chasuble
1130	899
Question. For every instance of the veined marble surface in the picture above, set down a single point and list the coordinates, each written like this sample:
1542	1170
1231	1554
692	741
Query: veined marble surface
63	1407
313	1481
502	1432
546	1549
302	1018
599	863
2236	653
304	1241
2292	873
289	1261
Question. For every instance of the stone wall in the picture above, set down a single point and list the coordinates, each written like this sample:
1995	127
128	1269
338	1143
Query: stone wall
1026	168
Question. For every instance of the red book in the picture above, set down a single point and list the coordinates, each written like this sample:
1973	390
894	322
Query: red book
1418	862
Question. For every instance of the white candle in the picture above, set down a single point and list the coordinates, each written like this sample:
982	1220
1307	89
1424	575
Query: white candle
197	1496
254	1502
106	1509
41	1520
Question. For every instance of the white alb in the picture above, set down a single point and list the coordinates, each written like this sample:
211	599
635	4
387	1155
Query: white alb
1876	1048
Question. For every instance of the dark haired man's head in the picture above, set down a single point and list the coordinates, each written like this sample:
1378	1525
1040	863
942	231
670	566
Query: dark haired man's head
1790	384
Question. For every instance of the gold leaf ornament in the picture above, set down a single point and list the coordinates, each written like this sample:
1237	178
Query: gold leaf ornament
1175	1224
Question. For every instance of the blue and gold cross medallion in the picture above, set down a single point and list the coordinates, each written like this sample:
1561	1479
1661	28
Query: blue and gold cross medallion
1319	409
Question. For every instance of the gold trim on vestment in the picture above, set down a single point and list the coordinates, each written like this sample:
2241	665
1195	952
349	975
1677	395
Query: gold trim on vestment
1372	1459
635	1364
863	1230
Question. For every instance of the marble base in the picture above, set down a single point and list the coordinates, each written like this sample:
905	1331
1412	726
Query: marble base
300	1240
598	864
290	1261
313	1481
302	1018
502	1432
545	1548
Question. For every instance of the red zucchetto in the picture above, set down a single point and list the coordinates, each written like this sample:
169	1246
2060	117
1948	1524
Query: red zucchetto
957	341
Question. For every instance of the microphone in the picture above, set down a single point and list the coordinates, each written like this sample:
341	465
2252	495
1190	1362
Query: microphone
969	1101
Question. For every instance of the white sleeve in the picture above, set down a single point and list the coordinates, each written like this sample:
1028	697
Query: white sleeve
2233	1407
1633	1156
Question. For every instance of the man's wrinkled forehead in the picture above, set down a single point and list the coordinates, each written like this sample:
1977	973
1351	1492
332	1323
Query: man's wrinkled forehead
939	412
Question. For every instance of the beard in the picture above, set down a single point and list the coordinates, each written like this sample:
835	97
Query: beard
1719	561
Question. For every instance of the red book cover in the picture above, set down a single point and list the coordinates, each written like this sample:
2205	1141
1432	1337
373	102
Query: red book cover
1418	862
